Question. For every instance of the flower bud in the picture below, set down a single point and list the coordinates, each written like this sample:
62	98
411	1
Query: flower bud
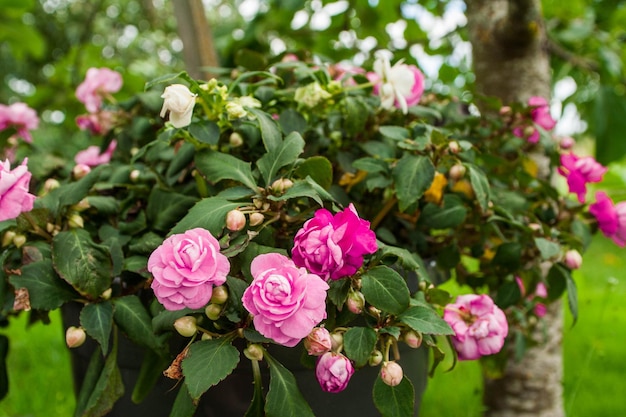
454	147
106	294
235	220
355	302
457	172
7	238
134	175
50	185
256	219
413	339
235	110
19	240
281	185
337	341
505	110
573	259
318	341
376	357
333	372
391	373
75	336
254	352
206	336
186	326
220	295
82	205
528	131
567	143
75	221
80	170
235	140
213	311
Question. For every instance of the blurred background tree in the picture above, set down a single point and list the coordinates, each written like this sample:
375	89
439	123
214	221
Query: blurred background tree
46	47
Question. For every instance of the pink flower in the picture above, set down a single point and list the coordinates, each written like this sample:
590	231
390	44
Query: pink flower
14	195
573	259
97	123
540	115
391	373
285	301
579	172
318	341
186	267
480	326
333	372
401	86
333	246
21	117
542	292
92	156
98	82
611	218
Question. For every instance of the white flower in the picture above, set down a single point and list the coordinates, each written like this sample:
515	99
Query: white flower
179	101
401	85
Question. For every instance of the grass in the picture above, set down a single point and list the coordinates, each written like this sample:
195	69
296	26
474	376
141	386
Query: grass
41	384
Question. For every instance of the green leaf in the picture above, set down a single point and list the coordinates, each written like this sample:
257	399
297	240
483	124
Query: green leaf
206	131
284	154
217	166
164	321
450	215
547	248
557	281
292	121
85	265
508	255
284	398
319	169
413	175
405	258
209	214
307	188
71	193
371	165
395	132
166	208
108	389
45	289
133	318
572	297
356	114
207	363
94	369
97	320
509	293
270	133
395	401
150	372
480	185
184	406
425	320
358	343
385	289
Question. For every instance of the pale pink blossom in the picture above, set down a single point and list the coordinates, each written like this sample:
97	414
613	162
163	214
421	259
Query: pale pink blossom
579	172
480	326
573	259
186	267
286	302
14	196
98	83
92	156
333	372
318	341
333	246
400	85
21	117
611	217
98	123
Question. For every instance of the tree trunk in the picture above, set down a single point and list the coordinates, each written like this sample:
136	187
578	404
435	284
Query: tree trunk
511	62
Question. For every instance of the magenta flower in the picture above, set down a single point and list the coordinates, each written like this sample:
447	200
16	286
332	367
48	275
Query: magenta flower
286	301
333	246
401	86
611	218
540	115
333	372
580	171
480	326
14	195
92	157
98	82
21	117
186	267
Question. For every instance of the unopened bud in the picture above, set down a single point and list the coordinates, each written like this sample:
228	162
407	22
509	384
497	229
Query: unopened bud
337	341
318	341
457	172
235	140
50	185
413	339
505	110
220	295
567	143
82	205
80	170
206	336
75	336
391	373
454	147
535	227
106	294
186	326
573	259
213	311
256	219
375	358
134	175
75	221
355	302
281	185
7	238
19	240
235	220
528	131
254	352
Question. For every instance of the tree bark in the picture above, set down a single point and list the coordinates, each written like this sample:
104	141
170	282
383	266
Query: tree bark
511	62
193	28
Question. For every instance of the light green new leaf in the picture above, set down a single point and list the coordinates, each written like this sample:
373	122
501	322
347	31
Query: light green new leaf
385	289
284	154
270	133
97	320
319	169
45	289
395	401
424	320
413	175
547	248
284	398
85	265
217	166
207	363
209	214
358	343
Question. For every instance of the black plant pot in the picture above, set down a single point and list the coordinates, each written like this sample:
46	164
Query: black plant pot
232	396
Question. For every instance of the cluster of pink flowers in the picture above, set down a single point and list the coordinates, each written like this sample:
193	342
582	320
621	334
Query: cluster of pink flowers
480	326
14	196
98	83
21	117
92	156
540	115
